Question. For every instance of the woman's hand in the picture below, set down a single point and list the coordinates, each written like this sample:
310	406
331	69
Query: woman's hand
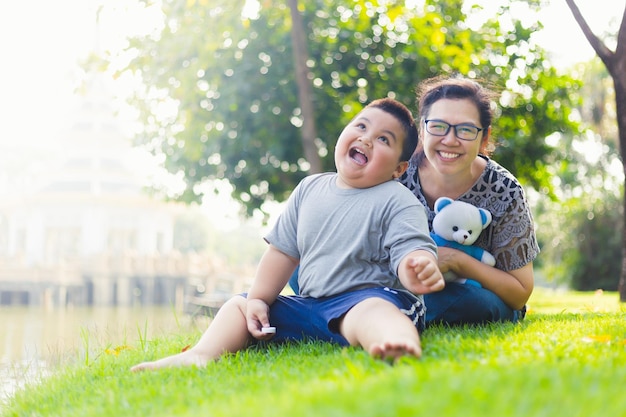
513	287
448	259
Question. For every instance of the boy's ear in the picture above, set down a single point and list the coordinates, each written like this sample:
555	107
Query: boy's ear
402	166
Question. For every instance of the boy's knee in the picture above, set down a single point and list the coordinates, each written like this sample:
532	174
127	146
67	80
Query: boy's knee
236	302
366	311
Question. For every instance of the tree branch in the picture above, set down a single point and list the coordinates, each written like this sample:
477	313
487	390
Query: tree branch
605	54
621	36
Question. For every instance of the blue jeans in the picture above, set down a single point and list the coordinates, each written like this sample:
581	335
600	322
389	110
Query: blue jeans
459	304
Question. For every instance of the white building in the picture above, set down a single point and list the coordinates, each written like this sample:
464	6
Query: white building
81	229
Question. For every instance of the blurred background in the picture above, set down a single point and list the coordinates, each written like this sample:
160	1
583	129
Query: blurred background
145	146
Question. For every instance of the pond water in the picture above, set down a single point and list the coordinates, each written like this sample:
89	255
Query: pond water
33	339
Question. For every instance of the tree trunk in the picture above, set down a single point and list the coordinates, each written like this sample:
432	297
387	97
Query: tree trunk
619	81
305	98
615	63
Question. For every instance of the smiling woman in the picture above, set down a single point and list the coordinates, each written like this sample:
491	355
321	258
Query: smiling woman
452	160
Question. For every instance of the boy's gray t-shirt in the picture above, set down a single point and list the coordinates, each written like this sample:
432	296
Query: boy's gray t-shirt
348	239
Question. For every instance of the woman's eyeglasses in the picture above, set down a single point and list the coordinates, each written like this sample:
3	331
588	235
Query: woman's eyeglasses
462	131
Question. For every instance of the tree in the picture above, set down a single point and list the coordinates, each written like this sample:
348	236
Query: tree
577	231
615	62
229	82
305	99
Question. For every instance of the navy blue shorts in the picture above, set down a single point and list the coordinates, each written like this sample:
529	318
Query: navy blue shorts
300	318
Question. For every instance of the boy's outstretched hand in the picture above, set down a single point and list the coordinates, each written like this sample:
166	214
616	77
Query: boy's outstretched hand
420	274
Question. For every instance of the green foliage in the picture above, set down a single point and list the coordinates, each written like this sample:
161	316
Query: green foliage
564	359
230	86
599	260
582	248
580	232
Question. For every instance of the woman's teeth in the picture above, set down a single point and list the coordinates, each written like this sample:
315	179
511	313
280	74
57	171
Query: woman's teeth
449	155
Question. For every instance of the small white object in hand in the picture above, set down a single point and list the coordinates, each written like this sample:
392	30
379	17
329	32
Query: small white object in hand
268	330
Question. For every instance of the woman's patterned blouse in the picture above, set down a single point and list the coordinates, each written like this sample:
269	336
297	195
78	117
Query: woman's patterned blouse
510	237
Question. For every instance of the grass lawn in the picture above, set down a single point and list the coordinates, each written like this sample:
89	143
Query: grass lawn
567	358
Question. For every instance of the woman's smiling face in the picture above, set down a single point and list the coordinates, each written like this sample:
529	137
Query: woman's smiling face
448	154
368	150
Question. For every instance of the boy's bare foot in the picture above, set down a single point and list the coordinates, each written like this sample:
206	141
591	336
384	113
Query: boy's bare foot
187	358
392	351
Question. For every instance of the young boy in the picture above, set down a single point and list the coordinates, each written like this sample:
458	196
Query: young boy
365	255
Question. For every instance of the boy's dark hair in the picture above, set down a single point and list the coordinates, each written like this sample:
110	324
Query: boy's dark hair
404	116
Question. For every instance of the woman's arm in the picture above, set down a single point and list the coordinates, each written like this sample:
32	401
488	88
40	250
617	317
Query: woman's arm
513	287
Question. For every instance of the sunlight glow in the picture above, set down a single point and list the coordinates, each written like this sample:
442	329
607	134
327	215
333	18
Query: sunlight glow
43	44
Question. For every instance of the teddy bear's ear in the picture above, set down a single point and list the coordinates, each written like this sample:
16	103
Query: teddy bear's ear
441	202
485	217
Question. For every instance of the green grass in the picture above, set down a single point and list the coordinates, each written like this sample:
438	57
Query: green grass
568	358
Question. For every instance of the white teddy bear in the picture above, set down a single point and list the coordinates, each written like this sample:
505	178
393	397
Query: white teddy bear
457	225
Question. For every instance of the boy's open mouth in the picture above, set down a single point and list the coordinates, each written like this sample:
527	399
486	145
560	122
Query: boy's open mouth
358	156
